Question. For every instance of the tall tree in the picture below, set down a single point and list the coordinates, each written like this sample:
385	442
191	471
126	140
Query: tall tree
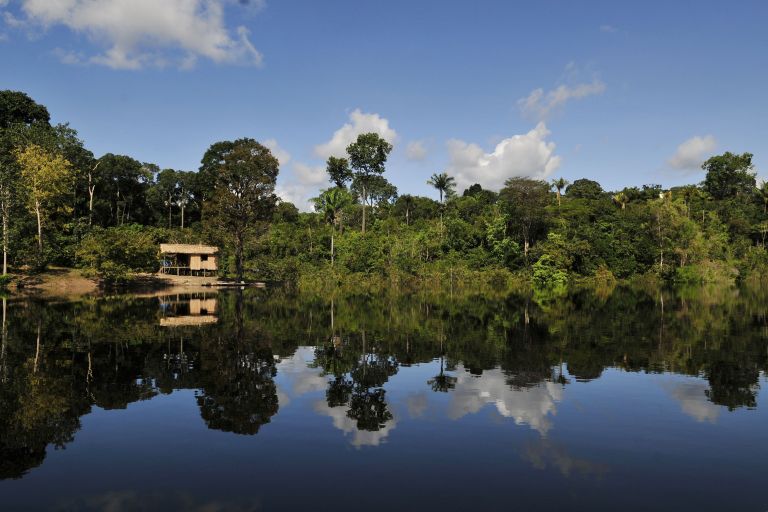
729	175
559	184
47	179
18	108
443	183
367	157
525	201
18	113
338	171
246	173
330	204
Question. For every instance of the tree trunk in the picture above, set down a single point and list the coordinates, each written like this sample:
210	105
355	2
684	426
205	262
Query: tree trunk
5	239
558	197
365	202
332	231
239	256
91	191
407	217
182	216
39	229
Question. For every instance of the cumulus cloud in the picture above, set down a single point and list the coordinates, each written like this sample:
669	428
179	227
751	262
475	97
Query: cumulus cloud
359	122
416	150
283	156
138	33
540	104
608	29
529	154
298	182
691	153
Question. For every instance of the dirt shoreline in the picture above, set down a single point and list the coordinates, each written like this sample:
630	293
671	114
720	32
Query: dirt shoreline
64	283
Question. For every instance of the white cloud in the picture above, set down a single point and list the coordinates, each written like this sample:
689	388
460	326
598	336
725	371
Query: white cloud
608	29
283	156
137	33
416	150
691	153
359	122
532	406
540	105
528	155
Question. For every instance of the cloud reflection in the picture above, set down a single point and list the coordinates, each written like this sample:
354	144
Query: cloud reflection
533	406
691	394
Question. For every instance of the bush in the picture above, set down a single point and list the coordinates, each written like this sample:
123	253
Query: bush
114	253
5	281
547	275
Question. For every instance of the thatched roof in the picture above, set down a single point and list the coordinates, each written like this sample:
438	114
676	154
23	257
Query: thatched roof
188	249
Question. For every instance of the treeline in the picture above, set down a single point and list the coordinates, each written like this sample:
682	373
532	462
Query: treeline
61	205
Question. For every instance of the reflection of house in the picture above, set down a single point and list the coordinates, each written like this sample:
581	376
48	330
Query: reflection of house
189	260
199	309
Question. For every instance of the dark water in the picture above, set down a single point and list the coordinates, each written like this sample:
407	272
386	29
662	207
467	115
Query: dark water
630	400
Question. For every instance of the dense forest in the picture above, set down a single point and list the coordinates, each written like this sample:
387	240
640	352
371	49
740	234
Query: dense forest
63	206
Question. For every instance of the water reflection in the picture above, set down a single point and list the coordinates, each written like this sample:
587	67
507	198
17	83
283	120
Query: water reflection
249	355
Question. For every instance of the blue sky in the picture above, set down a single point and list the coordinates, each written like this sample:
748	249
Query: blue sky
622	92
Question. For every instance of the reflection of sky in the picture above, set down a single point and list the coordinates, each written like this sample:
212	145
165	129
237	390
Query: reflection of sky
297	378
534	406
691	394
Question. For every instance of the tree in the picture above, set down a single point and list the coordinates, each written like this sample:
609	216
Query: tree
729	175
124	182
367	157
338	170
166	189
46	178
8	181
525	201
17	111
584	189
559	184
762	191
246	173
18	108
330	204
621	199
443	183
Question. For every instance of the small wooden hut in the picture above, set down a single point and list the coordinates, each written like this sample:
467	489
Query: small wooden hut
189	260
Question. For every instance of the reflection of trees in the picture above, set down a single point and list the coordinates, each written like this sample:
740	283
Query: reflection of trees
58	359
358	380
237	379
238	391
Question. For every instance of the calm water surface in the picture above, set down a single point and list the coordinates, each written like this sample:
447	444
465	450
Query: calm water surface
620	400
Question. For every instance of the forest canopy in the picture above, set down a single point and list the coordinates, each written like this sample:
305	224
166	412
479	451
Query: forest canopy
62	205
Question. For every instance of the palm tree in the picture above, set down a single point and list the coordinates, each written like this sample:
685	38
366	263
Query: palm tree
330	203
443	183
621	199
559	184
409	202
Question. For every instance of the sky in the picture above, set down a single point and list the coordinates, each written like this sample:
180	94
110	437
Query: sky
624	93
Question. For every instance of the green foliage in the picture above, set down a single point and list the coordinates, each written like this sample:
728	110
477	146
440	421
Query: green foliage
729	175
114	253
584	189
